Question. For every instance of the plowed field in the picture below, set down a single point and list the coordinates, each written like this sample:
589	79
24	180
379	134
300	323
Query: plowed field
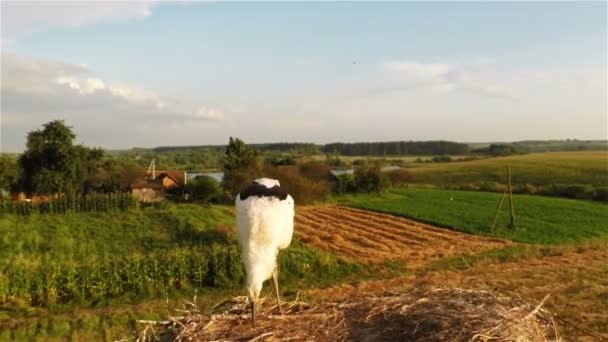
373	237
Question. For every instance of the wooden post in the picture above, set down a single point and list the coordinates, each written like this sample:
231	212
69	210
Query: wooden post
502	199
510	188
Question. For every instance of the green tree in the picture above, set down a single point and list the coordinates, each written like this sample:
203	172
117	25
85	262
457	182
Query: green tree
9	173
345	183
52	164
130	172
370	178
204	189
241	165
107	177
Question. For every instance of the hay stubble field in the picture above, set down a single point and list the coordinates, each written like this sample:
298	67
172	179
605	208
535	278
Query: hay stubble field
374	237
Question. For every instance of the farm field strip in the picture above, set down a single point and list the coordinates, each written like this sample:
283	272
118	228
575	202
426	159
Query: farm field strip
369	226
359	240
369	233
417	231
374	237
422	228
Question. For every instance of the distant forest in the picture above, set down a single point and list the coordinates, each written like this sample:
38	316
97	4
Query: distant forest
417	148
346	149
278	147
206	157
440	147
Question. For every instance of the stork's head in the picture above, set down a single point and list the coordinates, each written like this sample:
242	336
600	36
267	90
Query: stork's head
267	182
263	187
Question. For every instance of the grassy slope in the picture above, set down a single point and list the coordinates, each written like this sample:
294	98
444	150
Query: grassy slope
589	167
541	220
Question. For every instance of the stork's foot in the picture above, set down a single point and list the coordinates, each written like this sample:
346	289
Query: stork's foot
253	314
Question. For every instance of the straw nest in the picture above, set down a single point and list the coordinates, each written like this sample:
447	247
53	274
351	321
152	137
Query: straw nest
440	314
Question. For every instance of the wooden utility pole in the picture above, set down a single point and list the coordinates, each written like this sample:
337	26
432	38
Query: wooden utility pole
508	189
502	199
511	209
152	169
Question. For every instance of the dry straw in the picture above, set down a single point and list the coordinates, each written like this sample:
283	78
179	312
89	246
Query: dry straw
441	314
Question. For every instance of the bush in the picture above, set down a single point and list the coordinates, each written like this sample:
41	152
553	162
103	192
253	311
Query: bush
492	187
370	178
302	189
335	161
441	159
578	191
525	189
601	194
399	177
204	189
314	170
345	183
277	160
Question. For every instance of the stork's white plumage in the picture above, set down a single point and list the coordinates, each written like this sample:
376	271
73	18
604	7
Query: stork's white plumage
264	224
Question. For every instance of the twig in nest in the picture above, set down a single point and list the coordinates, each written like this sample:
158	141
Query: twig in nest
261	336
537	308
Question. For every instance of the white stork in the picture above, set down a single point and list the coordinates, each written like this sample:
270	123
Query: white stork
264	225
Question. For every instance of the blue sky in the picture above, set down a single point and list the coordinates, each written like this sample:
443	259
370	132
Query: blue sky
149	74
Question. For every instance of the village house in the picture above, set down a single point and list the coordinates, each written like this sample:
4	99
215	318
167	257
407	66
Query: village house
153	190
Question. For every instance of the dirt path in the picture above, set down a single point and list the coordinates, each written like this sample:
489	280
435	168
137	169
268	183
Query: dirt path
373	237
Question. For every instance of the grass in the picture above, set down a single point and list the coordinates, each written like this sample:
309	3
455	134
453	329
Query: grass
539	220
75	236
586	167
86	276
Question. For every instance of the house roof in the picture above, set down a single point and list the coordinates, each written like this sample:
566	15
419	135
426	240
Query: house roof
147	184
176	176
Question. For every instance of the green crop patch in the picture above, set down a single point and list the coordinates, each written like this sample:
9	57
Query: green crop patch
541	220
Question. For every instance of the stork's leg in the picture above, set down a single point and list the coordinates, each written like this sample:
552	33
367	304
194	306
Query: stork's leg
253	312
275	276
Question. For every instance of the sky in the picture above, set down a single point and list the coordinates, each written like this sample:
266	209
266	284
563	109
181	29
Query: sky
146	73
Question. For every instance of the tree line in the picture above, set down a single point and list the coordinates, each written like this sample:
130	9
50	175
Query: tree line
397	148
53	165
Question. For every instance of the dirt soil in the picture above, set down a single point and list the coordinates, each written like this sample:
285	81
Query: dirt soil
374	237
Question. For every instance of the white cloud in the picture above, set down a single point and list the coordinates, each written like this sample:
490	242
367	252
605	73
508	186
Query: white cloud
71	87
418	70
409	74
23	17
440	77
35	91
209	113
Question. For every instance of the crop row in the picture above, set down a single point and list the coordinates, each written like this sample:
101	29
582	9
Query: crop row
148	275
63	204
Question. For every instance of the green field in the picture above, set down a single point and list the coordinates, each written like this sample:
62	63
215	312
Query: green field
539	220
90	275
587	167
61	273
